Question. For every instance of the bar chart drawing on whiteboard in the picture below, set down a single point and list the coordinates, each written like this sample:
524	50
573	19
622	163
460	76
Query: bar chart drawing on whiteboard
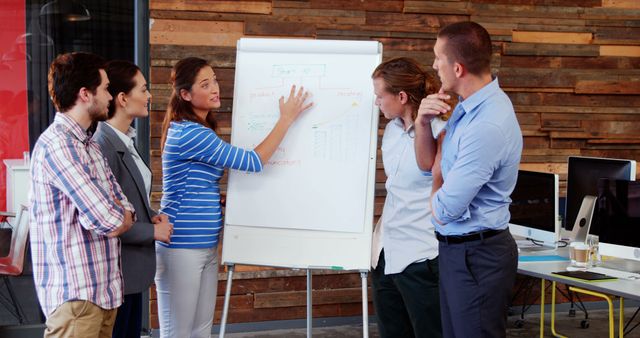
338	111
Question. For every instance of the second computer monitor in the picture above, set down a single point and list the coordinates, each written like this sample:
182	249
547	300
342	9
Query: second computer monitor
583	176
617	218
534	207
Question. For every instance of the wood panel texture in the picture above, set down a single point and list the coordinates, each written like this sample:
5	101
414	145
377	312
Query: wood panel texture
571	68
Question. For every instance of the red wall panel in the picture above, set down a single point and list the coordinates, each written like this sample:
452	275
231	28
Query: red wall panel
14	122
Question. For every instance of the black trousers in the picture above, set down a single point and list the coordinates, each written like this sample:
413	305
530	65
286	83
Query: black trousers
476	280
407	303
129	318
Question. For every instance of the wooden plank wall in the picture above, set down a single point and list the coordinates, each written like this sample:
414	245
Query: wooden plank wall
571	68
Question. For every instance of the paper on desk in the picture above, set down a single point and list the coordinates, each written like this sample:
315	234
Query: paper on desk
545	258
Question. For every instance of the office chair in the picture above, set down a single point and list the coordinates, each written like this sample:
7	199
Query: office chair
13	263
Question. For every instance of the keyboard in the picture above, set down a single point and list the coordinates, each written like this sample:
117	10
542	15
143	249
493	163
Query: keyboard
616	273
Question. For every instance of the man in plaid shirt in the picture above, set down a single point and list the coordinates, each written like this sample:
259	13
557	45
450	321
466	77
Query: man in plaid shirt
77	207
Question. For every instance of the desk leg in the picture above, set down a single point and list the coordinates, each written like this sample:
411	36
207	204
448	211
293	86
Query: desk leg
553	311
542	308
612	328
621	328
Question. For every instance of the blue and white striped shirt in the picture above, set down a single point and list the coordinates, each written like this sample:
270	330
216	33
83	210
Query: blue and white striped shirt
193	162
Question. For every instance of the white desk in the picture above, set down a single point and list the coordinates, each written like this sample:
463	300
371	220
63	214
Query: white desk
623	288
629	289
18	183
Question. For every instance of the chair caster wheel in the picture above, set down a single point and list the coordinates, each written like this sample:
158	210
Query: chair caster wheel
519	323
584	324
572	312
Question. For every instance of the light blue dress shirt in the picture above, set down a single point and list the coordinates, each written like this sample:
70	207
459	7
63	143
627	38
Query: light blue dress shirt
480	159
407	233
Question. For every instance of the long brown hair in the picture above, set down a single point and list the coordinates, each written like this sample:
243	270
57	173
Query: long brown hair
183	76
406	75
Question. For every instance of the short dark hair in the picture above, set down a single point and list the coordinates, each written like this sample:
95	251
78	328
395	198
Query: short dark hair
121	76
469	44
69	73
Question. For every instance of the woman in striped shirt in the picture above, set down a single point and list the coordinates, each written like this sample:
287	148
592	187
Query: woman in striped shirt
193	161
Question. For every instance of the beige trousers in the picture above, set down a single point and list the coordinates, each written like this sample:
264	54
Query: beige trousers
80	319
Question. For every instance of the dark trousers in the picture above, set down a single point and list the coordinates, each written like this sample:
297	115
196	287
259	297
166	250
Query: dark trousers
407	303
129	318
476	279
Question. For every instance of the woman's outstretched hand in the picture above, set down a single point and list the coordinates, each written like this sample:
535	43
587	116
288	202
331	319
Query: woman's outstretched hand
294	105
289	112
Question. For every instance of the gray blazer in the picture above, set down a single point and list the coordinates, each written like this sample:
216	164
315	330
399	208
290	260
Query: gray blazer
138	245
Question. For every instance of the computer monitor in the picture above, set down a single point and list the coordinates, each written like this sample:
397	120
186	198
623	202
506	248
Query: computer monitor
582	180
617	218
534	207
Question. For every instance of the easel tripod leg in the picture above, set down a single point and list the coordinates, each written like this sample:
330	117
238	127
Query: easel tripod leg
365	305
309	304
227	297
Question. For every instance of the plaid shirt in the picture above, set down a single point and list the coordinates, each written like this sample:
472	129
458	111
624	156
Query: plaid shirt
72	210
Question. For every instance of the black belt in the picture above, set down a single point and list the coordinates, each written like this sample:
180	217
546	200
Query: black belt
476	236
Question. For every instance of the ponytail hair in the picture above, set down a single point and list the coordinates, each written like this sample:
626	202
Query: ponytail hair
183	76
121	76
406	75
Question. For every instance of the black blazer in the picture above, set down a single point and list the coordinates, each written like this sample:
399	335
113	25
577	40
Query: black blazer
138	246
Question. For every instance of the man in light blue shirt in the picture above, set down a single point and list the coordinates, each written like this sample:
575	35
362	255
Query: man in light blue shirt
470	202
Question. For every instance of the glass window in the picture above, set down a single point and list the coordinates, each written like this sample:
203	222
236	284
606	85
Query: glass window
54	27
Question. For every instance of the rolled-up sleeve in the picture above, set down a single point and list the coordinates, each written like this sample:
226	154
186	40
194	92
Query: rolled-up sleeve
478	156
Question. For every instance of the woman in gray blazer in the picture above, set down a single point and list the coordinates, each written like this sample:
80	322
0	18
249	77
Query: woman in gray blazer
115	136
